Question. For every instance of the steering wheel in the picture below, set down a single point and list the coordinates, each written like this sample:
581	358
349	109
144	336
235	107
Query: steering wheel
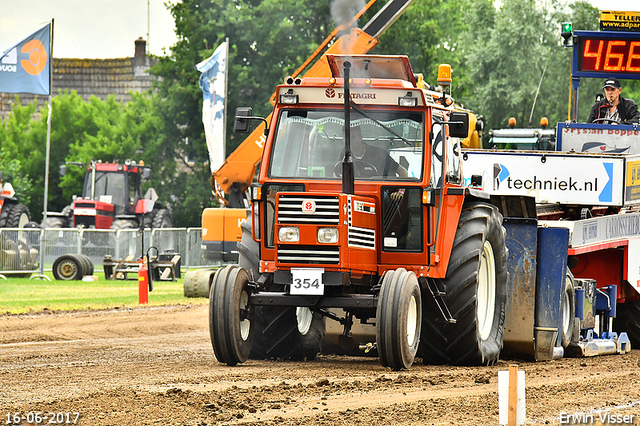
606	120
360	168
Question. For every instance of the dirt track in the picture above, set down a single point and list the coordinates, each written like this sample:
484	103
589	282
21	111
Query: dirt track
156	366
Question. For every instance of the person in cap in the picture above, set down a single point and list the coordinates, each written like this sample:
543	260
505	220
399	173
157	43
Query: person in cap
613	108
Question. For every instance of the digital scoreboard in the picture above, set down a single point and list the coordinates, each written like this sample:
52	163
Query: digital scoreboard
606	54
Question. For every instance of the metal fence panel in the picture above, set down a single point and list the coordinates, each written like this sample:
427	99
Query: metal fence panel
97	243
20	248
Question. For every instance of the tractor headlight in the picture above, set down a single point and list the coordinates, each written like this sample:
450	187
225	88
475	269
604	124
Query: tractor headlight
289	234
327	235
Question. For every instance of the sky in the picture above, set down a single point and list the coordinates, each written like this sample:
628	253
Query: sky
90	28
109	28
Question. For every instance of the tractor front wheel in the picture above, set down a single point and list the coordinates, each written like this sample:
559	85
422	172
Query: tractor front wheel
398	319
230	318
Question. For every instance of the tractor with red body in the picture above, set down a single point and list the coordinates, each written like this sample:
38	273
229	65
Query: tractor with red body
112	199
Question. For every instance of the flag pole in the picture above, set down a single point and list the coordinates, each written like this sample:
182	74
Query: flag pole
226	89
46	162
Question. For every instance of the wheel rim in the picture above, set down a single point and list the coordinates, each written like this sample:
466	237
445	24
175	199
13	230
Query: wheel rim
68	269
245	324
412	320
486	291
566	314
304	316
24	219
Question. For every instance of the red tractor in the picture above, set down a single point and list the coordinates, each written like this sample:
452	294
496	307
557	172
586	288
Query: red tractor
112	199
12	214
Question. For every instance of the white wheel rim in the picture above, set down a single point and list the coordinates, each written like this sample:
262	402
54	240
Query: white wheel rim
245	324
24	219
304	317
566	314
486	299
412	320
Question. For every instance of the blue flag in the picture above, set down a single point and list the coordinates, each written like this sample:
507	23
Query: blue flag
213	84
25	68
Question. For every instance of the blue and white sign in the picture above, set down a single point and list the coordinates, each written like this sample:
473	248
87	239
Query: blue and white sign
25	68
550	178
213	84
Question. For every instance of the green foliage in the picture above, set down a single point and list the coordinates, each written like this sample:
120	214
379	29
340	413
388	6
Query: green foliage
80	131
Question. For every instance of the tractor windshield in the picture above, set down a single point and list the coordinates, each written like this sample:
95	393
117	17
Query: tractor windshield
309	144
110	187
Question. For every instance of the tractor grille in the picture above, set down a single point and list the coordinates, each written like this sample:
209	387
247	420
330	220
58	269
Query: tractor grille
362	237
308	254
327	210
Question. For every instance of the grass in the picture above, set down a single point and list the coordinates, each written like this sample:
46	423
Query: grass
23	295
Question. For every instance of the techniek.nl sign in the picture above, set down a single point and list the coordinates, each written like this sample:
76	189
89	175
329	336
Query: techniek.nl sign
549	178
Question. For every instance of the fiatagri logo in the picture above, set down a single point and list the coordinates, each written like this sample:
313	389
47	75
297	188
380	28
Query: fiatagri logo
503	178
331	93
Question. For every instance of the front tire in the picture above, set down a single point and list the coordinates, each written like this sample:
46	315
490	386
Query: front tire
398	317
230	319
283	332
475	287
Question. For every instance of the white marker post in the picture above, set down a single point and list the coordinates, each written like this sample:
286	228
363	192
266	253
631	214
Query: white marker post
511	397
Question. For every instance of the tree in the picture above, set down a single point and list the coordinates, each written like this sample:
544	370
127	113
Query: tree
282	36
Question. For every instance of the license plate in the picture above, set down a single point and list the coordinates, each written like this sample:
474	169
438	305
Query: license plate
307	281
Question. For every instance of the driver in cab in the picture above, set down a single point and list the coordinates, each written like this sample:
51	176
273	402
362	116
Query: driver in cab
372	156
613	108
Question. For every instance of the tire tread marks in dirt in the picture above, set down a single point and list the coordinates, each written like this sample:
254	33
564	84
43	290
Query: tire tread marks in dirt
460	343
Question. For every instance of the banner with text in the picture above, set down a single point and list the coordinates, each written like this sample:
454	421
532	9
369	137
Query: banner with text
25	68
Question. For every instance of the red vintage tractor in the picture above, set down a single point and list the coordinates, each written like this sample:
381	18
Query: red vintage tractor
112	199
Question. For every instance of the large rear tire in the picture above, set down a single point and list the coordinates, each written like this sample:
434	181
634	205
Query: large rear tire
568	310
162	219
55	222
628	320
398	319
14	215
475	287
230	319
124	224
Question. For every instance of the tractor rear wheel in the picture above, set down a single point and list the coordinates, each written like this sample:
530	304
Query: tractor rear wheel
398	319
230	319
124	224
568	310
14	215
68	267
628	320
55	222
162	219
475	292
